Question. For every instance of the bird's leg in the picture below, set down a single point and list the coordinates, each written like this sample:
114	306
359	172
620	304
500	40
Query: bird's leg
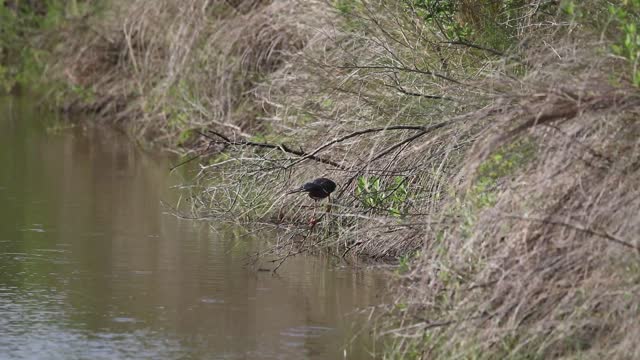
329	204
313	220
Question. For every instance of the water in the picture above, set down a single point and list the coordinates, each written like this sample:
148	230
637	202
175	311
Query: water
93	267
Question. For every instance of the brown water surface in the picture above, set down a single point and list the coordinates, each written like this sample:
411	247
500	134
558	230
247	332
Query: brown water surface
93	267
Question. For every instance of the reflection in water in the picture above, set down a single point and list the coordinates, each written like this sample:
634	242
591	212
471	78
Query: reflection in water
92	267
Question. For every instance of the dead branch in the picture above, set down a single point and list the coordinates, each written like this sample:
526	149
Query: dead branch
410	139
586	230
474	46
358	133
425	130
313	155
398	87
282	147
400	68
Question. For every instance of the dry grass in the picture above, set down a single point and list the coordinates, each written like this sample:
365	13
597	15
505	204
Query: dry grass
175	66
547	266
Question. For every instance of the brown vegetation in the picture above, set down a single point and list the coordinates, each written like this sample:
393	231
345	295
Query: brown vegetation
548	266
165	67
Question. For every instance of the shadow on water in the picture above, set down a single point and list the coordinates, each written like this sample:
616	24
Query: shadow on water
92	267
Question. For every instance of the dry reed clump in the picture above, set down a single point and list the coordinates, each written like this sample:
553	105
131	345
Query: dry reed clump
173	66
543	262
99	57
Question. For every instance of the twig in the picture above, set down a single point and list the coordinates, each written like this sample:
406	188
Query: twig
391	148
404	91
399	68
426	130
358	133
290	252
398	86
282	147
471	45
602	234
313	155
358	243
188	160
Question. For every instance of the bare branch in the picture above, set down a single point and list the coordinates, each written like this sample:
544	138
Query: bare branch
398	68
602	234
471	45
282	147
358	133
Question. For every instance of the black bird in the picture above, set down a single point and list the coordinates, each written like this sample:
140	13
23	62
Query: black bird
318	189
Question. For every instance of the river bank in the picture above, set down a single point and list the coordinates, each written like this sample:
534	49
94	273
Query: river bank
489	148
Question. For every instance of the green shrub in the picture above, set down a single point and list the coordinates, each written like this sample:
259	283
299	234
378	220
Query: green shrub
626	17
372	195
